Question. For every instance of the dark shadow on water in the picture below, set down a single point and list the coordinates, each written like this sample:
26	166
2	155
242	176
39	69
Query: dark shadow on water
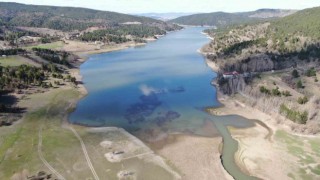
7	99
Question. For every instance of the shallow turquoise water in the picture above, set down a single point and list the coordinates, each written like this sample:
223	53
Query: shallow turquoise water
162	87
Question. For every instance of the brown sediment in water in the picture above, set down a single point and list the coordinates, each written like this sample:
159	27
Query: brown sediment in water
159	137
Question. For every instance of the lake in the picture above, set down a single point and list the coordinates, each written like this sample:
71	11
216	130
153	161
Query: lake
161	88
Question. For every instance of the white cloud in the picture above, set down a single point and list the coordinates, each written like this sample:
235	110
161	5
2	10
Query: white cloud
147	90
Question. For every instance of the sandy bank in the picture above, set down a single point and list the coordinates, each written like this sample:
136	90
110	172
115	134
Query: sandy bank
80	87
209	63
196	157
84	48
130	147
257	154
208	36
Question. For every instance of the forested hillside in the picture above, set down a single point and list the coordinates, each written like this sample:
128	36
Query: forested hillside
119	34
293	35
223	19
305	23
277	64
66	18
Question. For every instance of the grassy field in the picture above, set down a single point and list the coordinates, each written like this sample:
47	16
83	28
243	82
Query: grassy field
19	144
43	141
15	61
55	46
307	152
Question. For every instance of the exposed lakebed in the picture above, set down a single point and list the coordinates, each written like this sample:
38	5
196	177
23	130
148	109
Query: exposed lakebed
158	89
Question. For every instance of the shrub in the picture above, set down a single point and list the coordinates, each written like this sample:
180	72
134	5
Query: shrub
293	115
299	84
286	93
295	74
303	100
265	90
276	92
311	72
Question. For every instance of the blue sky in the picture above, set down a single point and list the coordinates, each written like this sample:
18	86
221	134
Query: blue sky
161	6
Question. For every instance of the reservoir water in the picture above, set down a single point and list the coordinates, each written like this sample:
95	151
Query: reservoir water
157	89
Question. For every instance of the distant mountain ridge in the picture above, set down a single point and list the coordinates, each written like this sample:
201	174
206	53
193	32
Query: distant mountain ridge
222	19
164	16
271	13
65	18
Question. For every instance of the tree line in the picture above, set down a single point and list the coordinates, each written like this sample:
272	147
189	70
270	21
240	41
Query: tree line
118	34
20	77
9	52
58	57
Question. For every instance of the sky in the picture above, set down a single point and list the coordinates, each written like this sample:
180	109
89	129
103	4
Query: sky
188	6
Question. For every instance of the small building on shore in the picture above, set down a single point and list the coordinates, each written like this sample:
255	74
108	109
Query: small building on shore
228	75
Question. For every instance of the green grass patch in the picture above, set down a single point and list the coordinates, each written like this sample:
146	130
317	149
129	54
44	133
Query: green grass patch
296	146
315	146
8	143
36	115
303	174
53	45
23	154
316	170
290	175
285	137
307	160
19	148
12	61
295	150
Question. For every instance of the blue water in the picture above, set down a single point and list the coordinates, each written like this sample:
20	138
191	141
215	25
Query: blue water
163	87
169	69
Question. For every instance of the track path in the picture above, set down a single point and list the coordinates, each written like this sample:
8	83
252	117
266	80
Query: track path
85	152
45	162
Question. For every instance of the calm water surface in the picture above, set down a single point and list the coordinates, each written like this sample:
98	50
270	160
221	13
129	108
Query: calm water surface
159	88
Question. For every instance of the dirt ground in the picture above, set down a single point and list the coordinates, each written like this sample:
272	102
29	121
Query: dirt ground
196	157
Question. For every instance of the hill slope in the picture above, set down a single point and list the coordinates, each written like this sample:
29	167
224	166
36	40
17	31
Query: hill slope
222	19
285	53
65	18
304	23
283	40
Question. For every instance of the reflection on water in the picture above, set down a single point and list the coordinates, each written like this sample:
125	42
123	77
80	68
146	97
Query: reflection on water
164	85
157	89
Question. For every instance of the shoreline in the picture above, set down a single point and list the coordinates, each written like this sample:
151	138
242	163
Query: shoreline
170	147
182	140
84	55
260	152
209	63
203	156
230	106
